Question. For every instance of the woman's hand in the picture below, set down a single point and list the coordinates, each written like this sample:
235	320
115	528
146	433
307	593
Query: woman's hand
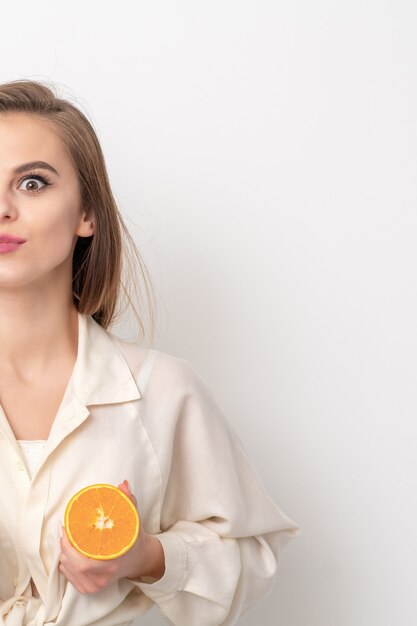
145	559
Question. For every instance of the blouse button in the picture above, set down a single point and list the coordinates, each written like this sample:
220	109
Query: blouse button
20	465
15	582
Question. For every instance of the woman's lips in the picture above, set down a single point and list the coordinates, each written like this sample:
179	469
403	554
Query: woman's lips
9	246
8	243
6	238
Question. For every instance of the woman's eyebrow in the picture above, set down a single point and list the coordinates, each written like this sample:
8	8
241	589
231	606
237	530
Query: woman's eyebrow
35	164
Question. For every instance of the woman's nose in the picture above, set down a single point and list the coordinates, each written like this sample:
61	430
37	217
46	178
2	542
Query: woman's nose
8	209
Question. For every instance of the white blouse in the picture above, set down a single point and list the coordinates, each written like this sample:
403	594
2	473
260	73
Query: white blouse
145	416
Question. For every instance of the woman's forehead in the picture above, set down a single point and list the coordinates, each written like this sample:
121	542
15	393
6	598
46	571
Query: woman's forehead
25	138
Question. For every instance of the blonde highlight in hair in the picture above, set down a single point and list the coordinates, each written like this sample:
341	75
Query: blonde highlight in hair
100	262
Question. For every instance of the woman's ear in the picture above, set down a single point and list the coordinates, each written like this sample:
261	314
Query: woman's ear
86	225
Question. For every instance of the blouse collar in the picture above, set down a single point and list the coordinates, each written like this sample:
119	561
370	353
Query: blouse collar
101	374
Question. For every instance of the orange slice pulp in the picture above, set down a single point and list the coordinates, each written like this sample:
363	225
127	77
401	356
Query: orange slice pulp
101	522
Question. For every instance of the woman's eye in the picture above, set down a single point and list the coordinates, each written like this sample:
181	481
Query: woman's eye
33	183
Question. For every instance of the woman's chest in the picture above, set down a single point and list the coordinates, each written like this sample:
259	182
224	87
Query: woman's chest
31	409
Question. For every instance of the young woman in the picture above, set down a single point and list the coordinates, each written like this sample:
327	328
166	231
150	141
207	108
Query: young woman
81	406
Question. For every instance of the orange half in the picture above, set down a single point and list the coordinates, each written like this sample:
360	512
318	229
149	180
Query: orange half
101	522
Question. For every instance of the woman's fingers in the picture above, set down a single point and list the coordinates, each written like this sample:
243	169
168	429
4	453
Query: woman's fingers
125	487
87	575
78	586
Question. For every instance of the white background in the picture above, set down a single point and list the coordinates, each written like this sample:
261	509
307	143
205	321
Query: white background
265	154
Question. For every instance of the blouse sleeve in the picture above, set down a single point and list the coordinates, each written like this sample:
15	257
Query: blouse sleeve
220	531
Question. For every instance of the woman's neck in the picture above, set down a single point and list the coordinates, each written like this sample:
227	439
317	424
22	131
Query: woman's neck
36	334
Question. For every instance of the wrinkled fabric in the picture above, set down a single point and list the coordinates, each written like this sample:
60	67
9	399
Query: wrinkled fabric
139	414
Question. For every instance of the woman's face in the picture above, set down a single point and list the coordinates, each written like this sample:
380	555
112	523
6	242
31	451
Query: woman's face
39	204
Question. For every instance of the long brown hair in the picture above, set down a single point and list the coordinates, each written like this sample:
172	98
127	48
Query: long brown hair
102	261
